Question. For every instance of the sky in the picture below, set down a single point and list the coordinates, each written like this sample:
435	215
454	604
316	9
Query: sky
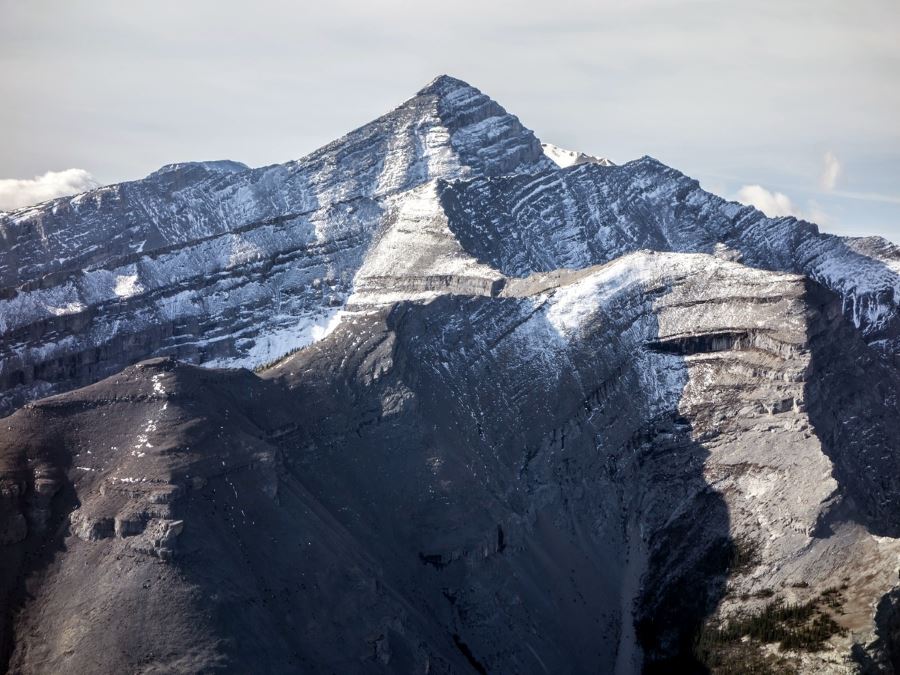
790	106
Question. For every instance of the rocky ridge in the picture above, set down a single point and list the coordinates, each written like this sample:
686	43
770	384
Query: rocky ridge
219	264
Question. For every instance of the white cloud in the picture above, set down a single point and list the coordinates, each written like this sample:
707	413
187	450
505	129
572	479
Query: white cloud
830	171
816	214
773	204
16	193
777	204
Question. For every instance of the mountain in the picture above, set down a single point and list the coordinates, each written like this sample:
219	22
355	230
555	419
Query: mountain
217	263
223	265
511	413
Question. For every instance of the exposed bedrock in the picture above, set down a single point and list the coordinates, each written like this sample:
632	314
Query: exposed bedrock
853	404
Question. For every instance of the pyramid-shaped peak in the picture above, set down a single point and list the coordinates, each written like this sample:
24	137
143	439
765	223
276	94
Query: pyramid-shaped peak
484	136
443	85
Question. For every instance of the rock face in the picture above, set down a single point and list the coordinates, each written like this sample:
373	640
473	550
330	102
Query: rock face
582	419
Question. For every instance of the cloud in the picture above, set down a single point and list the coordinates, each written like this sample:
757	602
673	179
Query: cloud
777	204
773	204
816	214
830	171
16	193
869	196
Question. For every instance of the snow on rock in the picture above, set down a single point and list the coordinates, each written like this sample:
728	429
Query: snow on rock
417	256
127	285
566	158
589	214
281	340
446	194
580	304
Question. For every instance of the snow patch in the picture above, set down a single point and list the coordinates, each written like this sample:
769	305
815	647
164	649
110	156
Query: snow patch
127	285
281	341
572	307
68	308
565	158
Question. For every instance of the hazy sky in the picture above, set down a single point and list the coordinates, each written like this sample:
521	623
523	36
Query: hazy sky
793	106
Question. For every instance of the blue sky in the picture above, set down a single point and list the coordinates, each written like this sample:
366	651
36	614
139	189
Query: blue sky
750	98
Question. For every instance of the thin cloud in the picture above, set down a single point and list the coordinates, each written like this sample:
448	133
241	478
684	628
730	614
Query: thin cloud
831	171
816	214
16	193
869	196
773	204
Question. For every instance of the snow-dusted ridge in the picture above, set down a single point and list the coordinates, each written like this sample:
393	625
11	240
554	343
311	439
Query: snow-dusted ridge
447	193
219	166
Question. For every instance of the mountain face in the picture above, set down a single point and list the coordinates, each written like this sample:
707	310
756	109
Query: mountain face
516	409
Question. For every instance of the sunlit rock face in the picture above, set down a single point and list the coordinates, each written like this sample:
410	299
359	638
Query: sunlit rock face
516	409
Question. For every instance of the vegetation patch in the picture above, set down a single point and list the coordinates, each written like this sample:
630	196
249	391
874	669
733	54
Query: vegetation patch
734	648
744	556
274	362
745	659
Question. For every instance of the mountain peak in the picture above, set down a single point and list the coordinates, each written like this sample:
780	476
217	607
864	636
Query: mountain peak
219	166
442	85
